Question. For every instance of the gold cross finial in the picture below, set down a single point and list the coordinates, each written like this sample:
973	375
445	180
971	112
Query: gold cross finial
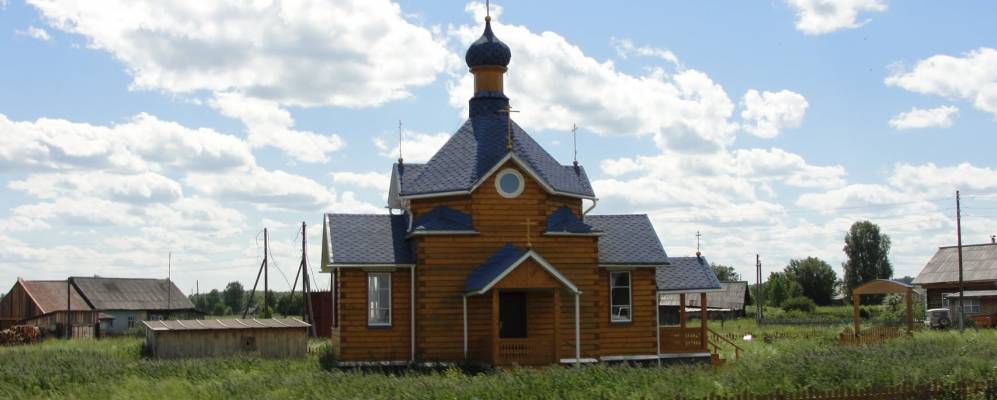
698	235
488	9
508	112
399	141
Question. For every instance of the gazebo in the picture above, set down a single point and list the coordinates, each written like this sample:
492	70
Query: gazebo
884	286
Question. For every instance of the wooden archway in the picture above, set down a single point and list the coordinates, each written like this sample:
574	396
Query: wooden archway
884	286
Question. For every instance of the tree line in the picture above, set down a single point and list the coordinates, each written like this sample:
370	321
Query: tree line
234	299
867	251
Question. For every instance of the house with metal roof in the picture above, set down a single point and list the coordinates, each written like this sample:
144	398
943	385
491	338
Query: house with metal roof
491	255
126	302
49	305
940	278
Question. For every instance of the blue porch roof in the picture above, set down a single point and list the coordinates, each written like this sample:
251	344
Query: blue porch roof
627	240
366	239
686	273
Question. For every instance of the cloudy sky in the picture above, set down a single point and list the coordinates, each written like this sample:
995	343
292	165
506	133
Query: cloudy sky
131	129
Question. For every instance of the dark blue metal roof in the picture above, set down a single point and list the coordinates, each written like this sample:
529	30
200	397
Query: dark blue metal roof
443	218
368	239
488	50
686	273
563	220
492	268
476	148
627	239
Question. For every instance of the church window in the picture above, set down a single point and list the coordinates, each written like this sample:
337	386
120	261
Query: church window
619	296
379	299
509	183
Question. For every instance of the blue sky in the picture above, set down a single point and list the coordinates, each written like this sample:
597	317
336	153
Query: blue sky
132	130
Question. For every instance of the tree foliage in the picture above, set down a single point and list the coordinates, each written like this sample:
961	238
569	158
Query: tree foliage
725	273
233	296
780	287
868	251
815	277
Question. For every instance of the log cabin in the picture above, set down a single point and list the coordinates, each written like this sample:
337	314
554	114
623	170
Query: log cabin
489	257
49	305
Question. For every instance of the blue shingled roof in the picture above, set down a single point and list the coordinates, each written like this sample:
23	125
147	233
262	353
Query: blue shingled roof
563	220
368	239
477	147
627	239
492	268
686	273
443	218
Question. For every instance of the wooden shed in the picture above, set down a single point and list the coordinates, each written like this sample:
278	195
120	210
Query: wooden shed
272	338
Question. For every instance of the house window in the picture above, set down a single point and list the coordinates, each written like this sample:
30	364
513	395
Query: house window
509	183
619	296
379	299
131	322
972	305
668	310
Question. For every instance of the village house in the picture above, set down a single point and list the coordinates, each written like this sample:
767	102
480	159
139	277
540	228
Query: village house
117	304
940	279
491	256
47	305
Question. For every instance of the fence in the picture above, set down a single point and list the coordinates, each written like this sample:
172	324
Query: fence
982	390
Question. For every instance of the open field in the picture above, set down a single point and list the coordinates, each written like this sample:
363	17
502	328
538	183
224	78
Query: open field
114	369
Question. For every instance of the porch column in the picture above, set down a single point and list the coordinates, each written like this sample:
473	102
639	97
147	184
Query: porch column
703	316
657	326
578	334
557	325
465	326
495	327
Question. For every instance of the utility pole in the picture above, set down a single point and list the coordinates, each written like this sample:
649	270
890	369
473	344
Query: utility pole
758	289
962	288
69	308
262	271
266	273
306	286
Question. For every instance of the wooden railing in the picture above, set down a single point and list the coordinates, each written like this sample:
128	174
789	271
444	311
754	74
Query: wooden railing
681	340
526	351
872	335
715	339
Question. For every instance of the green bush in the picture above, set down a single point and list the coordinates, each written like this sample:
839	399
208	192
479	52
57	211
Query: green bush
327	358
799	303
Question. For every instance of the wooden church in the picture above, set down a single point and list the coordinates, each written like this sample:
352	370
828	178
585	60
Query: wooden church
489	257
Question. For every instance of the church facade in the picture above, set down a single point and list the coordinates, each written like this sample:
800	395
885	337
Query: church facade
491	256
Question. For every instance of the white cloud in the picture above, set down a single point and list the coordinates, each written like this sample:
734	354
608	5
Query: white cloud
766	113
270	125
304	53
32	31
144	143
625	48
556	85
368	180
416	147
147	187
274	190
972	77
917	118
943	181
816	17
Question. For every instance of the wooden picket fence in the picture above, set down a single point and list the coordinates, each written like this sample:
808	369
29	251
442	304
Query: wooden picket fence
980	390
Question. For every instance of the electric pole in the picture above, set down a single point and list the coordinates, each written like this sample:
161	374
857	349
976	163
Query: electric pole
759	297
263	272
958	234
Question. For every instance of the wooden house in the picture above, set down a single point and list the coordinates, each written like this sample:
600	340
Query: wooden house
940	279
490	255
48	305
125	302
271	338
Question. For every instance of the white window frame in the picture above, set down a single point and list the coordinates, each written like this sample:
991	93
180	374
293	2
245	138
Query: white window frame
972	305
630	293
498	183
387	277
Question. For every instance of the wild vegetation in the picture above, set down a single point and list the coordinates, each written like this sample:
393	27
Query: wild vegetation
114	368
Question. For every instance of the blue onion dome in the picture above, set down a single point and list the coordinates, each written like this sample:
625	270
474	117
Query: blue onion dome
488	50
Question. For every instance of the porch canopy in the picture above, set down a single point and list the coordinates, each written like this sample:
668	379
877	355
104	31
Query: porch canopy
883	286
514	268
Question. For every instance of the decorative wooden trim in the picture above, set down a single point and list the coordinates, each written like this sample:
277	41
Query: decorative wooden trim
540	260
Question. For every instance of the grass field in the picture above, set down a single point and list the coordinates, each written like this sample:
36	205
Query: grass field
114	369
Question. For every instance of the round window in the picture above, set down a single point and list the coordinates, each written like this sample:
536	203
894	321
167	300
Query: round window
509	183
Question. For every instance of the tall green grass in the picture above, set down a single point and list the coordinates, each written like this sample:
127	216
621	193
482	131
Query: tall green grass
114	369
